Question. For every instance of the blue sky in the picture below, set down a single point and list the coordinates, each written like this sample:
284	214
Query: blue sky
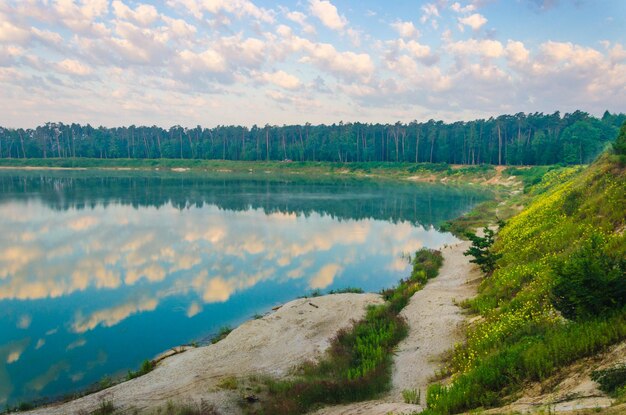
217	62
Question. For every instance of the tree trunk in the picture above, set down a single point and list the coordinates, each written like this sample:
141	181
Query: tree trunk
499	146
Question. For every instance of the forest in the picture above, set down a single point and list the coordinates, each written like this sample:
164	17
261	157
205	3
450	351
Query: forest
520	139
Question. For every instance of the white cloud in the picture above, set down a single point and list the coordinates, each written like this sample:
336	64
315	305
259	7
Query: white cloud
206	61
342	63
325	276
475	21
111	316
10	33
143	14
24	321
485	48
456	7
281	79
516	52
74	67
193	309
301	19
430	13
405	29
240	8
328	14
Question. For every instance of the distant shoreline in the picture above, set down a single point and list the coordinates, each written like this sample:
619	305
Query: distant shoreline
442	173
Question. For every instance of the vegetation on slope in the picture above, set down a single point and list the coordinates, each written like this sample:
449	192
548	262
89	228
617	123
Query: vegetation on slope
558	293
358	363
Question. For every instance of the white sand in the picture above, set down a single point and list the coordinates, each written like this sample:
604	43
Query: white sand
297	332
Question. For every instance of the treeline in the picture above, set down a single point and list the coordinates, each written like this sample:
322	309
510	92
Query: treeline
538	138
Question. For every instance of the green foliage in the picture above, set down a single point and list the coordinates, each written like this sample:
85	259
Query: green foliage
347	290
538	139
412	396
229	382
105	408
146	367
482	214
620	142
537	356
25	406
172	408
565	249
530	176
612	380
429	167
481	250
426	264
590	281
358	363
221	334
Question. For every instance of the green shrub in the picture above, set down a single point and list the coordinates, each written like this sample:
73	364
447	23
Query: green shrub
620	142
105	408
611	380
146	366
221	334
589	282
354	290
481	250
412	396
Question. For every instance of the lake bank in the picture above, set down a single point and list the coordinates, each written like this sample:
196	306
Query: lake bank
299	331
422	172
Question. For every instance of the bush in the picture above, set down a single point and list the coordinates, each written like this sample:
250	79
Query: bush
620	142
221	334
590	282
484	257
611	380
146	366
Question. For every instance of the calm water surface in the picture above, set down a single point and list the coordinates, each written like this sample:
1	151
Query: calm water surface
99	271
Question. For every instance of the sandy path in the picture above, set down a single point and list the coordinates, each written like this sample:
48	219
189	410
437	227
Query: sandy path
298	331
434	322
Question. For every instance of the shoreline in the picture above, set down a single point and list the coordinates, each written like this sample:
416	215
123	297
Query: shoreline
298	331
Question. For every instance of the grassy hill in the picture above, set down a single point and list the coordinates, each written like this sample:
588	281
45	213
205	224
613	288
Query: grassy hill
558	293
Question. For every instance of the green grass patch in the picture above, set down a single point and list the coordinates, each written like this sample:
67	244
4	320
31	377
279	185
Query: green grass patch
221	334
481	215
358	363
146	367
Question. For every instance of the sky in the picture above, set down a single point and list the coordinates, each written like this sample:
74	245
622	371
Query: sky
245	62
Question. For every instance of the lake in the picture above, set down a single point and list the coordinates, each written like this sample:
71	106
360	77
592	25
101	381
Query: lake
100	270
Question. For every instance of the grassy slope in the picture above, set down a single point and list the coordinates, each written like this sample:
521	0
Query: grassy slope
520	336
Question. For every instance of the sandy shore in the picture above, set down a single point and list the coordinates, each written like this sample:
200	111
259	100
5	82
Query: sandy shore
297	332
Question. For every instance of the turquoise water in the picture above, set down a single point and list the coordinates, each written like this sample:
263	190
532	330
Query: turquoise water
101	270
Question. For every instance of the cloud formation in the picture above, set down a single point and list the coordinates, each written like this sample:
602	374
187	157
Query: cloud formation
194	62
